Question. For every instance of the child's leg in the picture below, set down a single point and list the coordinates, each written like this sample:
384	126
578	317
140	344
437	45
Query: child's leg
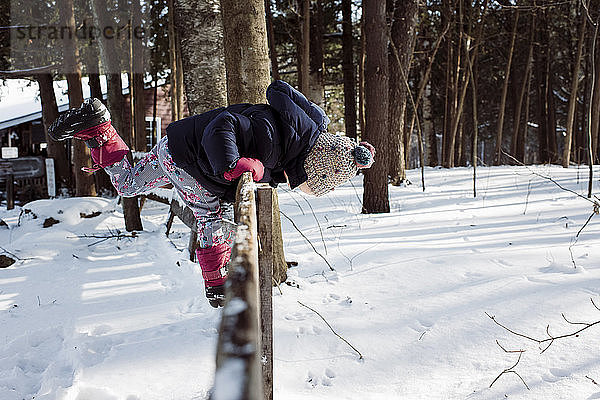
144	176
202	203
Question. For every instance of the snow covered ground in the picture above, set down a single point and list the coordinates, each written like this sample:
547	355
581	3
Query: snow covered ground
127	318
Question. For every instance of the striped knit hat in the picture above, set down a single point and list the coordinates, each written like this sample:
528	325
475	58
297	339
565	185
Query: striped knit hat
334	160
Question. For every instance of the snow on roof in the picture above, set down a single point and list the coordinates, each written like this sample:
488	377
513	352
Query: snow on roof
20	99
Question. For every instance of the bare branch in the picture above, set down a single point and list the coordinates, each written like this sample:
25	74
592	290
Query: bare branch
549	179
551	338
597	308
334	332
511	370
308	240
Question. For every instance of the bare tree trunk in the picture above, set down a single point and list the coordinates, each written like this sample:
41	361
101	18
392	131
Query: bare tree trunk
173	57
591	110
84	182
595	112
136	86
361	77
541	78
304	47
200	36
402	34
56	150
566	156
375	197
317	63
523	145
348	70
112	68
432	158
447	17
502	110
271	39
420	95
517	138
246	50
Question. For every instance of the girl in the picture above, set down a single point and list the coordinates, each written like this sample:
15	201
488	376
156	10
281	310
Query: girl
203	156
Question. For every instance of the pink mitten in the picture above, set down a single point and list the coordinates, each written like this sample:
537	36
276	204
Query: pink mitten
245	164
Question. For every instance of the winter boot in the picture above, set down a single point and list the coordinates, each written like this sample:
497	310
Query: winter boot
213	262
91	123
91	113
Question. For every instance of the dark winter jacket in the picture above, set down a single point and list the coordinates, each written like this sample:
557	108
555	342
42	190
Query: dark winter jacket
279	134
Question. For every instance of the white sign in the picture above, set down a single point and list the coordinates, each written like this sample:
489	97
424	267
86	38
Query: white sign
50	177
10	152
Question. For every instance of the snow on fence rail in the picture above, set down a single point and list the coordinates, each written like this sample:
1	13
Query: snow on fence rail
244	366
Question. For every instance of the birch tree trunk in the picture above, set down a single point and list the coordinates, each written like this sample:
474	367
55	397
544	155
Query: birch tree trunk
246	50
247	61
200	37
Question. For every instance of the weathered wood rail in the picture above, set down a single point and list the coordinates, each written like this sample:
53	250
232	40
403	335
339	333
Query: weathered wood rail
244	361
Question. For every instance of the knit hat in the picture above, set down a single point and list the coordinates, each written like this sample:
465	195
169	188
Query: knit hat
334	160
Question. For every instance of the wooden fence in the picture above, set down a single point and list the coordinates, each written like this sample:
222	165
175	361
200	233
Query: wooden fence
244	362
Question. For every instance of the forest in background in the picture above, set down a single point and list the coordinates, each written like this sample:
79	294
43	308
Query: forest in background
492	82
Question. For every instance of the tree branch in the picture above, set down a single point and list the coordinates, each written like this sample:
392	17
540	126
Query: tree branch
334	332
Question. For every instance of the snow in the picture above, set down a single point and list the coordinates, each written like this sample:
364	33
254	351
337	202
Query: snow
126	318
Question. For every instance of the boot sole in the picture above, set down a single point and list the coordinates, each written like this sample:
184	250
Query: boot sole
99	117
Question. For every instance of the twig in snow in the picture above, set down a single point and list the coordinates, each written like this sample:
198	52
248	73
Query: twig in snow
15	256
511	370
309	242
116	234
292	195
574	241
318	224
594	304
527	198
595	202
551	338
593	381
332	330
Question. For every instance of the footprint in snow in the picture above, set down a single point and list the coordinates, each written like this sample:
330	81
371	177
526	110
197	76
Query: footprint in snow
297	316
326	380
310	330
335	298
557	268
101	330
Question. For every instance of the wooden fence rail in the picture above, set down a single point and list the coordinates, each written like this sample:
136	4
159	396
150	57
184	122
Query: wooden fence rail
244	362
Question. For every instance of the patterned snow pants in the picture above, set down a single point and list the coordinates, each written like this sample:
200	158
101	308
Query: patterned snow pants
156	169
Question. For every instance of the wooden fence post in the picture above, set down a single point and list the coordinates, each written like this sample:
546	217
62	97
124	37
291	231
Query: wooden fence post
265	264
239	373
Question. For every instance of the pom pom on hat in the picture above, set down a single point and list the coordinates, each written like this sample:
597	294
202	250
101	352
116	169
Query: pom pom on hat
363	157
333	160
